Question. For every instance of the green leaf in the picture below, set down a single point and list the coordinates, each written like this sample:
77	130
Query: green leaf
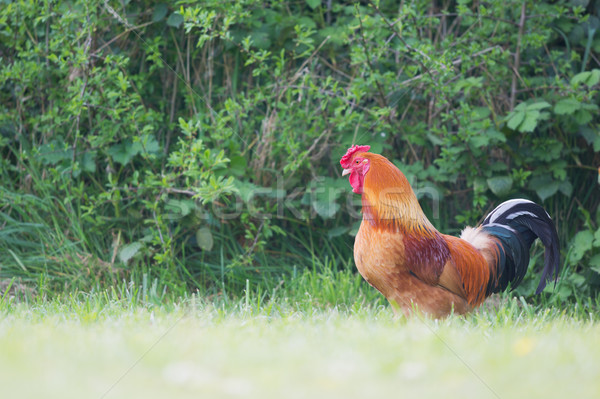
530	122
500	185
583	117
355	227
582	243
120	153
435	140
521	107
179	208
246	190
498	167
588	134
577	279
596	242
566	106
597	149
129	251
467	84
544	186
325	209
175	20
480	140
237	165
589	106
376	147
547	191
564	292
204	239
595	263
496	135
89	162
480	184
525	117
54	152
566	188
160	11
515	119
481	112
337	231
589	78
581	77
149	144
594	78
313	3
537	106
261	39
307	22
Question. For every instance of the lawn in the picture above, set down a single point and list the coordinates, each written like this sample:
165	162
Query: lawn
110	346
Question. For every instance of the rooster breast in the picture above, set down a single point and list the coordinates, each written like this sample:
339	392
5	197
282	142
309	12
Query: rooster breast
378	255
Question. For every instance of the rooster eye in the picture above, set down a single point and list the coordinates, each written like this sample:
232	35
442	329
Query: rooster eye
357	161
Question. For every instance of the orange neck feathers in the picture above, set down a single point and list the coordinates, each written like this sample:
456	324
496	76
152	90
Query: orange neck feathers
389	201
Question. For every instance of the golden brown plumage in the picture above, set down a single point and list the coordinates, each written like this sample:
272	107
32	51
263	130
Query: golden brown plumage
399	252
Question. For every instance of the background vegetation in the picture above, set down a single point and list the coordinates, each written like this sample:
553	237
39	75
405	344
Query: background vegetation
195	144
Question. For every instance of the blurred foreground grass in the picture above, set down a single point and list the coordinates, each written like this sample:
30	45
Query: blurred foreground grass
98	347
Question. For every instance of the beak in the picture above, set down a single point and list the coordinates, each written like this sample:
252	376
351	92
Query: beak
345	172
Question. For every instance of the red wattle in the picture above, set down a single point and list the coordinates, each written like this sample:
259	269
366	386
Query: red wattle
356	181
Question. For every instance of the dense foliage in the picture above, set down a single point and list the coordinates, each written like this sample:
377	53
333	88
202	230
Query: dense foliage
196	143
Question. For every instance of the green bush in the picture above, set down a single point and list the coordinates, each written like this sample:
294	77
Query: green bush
197	142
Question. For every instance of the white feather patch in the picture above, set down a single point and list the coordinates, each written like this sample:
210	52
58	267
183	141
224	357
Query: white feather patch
505	206
477	237
515	214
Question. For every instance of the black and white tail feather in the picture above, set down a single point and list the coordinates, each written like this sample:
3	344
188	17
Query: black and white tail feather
516	224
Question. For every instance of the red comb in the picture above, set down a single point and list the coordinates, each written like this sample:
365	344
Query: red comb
345	161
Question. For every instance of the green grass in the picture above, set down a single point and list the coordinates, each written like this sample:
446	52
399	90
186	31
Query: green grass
292	343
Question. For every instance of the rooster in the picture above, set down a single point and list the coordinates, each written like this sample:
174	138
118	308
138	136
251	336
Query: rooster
400	253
